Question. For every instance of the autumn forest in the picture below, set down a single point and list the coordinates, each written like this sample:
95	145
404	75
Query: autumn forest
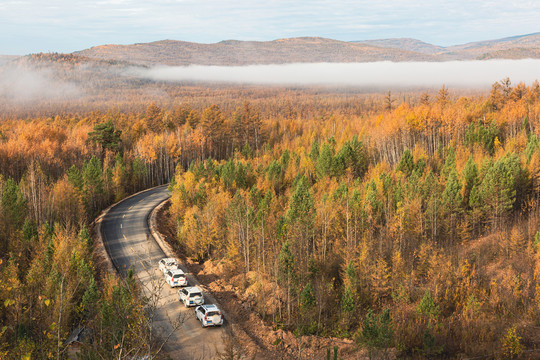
406	222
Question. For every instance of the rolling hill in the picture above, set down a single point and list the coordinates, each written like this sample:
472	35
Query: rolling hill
406	44
233	52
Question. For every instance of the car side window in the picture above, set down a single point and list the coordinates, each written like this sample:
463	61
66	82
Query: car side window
203	311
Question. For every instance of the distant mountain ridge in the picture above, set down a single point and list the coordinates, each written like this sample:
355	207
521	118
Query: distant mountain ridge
514	47
308	50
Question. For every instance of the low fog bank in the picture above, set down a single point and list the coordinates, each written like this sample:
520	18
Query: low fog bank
22	85
462	74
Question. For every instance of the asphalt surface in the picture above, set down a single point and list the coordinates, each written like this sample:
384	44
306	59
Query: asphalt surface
128	241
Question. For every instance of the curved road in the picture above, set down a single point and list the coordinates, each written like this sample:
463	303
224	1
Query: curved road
128	241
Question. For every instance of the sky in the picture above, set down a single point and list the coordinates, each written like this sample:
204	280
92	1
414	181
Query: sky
30	26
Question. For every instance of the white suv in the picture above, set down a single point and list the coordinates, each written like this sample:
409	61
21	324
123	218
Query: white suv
191	296
209	315
168	264
175	277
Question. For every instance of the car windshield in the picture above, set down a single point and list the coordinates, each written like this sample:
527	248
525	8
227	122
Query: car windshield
195	294
212	313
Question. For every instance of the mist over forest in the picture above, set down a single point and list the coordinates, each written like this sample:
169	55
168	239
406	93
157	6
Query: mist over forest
72	80
386	74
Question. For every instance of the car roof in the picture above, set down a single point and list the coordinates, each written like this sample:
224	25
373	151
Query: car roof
169	259
176	271
192	289
210	307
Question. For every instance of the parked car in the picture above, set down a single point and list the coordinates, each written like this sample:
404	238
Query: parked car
168	264
191	296
209	315
175	277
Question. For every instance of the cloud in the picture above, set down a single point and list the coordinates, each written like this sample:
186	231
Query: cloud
475	74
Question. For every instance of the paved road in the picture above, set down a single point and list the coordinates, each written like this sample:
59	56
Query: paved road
127	238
